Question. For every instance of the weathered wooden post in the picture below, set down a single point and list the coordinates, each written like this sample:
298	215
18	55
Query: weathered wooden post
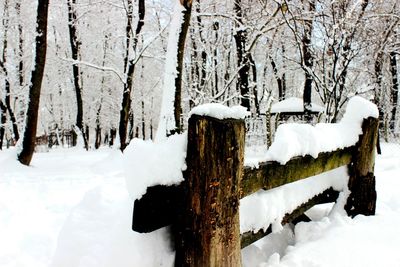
208	228
362	199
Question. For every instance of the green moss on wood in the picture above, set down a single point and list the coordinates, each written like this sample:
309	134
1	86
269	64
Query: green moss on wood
272	174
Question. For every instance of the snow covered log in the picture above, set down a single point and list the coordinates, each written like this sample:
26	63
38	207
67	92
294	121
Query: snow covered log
209	229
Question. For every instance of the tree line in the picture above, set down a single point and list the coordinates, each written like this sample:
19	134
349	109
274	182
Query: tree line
112	70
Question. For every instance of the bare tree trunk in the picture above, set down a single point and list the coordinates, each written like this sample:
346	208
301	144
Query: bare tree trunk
143	122
98	126
131	123
283	78
395	89
20	44
28	144
254	81
308	60
242	57
10	111
20	54
113	133
378	66
203	74
281	93
97	142
347	48
215	55
194	70
171	107
87	133
7	100
187	4
130	69
151	129
75	49
3	120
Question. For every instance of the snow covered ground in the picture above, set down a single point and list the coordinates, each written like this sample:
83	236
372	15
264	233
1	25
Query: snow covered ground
71	208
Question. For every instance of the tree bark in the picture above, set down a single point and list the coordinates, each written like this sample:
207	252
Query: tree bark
143	122
254	86
20	44
203	66
308	60
242	57
3	120
195	69
378	72
279	80
10	111
130	69
187	4
98	136
98	124
395	89
171	107
75	50
7	100
215	59
28	144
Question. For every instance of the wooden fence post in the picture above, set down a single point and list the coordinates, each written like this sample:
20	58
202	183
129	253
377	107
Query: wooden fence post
362	198
208	231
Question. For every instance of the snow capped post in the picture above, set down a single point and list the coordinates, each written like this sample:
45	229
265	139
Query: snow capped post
362	199
208	229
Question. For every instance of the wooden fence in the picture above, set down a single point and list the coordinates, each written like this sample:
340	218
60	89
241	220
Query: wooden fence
204	209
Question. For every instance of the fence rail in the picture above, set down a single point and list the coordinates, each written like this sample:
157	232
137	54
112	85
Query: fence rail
204	209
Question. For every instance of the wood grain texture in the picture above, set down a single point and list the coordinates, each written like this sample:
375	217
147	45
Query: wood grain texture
362	199
209	227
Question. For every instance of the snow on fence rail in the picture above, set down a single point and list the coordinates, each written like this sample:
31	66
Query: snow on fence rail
204	209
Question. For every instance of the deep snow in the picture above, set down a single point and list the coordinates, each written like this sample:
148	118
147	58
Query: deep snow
71	208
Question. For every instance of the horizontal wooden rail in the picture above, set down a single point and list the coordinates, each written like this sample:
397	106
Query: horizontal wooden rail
272	174
158	207
327	196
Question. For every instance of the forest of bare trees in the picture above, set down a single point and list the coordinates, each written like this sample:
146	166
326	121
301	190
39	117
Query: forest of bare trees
107	62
